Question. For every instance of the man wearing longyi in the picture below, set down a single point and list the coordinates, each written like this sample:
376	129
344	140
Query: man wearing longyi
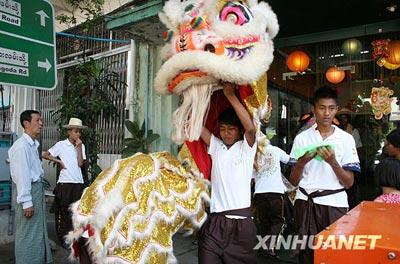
323	172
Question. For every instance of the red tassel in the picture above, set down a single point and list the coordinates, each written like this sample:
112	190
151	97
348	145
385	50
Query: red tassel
75	248
89	229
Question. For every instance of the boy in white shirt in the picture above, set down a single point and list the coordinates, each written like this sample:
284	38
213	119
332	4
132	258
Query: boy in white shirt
268	194
321	198
71	152
229	234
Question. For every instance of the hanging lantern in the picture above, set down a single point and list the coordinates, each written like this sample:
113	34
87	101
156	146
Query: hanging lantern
351	47
335	75
386	56
385	63
297	61
393	52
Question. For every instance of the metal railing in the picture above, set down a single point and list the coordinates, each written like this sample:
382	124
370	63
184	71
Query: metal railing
76	42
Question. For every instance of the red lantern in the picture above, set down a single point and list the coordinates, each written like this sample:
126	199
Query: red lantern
298	61
335	75
393	52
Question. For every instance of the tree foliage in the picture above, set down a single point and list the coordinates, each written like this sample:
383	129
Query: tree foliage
90	9
140	141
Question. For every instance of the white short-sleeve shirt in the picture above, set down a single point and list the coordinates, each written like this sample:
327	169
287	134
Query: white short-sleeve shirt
270	178
231	174
319	175
357	138
68	153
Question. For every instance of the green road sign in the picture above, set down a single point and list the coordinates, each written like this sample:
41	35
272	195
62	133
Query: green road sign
27	44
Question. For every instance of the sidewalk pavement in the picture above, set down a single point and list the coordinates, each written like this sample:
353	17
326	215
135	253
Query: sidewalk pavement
185	249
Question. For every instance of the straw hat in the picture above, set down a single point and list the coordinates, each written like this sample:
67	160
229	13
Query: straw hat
345	111
75	123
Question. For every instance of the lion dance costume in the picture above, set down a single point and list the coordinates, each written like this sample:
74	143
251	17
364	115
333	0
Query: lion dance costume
131	211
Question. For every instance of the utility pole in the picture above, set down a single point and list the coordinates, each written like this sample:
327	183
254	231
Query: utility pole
3	108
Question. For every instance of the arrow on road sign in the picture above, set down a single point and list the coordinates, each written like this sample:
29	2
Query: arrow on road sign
43	17
44	64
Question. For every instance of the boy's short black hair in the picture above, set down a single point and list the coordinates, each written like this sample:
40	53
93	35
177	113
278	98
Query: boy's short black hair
394	138
388	173
325	92
229	117
27	116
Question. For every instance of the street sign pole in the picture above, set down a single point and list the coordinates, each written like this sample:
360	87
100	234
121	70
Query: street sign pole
27	44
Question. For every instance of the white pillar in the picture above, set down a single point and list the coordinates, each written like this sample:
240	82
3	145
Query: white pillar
21	99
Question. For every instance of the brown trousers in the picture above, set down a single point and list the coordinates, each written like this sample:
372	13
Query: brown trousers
65	195
226	240
269	208
322	216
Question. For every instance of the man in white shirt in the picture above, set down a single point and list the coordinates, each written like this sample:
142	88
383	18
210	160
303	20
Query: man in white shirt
268	194
229	234
31	239
321	198
71	153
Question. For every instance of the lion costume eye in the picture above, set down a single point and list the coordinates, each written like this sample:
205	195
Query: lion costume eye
235	13
167	36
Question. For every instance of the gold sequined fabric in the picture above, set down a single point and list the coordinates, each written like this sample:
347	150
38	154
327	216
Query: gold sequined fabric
136	206
260	107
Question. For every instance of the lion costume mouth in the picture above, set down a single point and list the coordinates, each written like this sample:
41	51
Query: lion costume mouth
185	75
180	71
195	75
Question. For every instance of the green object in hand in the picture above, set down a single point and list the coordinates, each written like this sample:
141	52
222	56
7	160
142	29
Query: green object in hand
299	152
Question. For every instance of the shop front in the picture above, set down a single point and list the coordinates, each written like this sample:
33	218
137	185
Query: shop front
360	61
